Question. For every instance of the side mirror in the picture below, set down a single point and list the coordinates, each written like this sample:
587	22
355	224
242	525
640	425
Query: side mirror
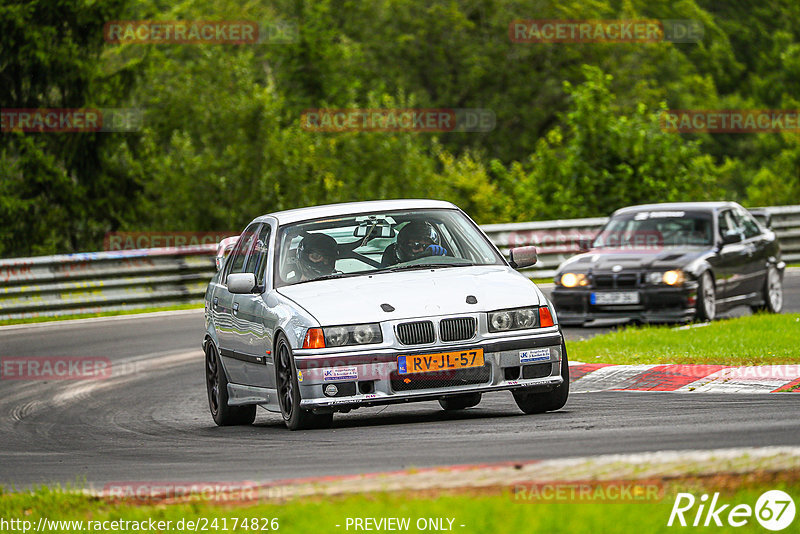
522	257
241	283
731	237
585	243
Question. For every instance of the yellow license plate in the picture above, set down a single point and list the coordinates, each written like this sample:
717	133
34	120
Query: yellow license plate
442	361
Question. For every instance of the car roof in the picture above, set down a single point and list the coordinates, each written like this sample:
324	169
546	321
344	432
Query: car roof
682	206
350	208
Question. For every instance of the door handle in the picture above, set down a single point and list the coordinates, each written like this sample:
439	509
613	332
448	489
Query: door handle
235	307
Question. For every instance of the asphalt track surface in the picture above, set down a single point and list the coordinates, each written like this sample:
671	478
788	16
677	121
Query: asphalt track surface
150	420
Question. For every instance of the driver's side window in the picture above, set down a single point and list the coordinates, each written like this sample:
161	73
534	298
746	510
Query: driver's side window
257	262
747	223
236	262
726	223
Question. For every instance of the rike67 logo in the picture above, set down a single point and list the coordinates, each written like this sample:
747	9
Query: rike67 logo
774	510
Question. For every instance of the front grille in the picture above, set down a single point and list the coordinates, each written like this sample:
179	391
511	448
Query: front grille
603	281
440	379
415	333
627	280
457	329
615	281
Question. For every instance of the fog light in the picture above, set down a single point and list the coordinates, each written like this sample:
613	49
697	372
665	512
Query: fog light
331	390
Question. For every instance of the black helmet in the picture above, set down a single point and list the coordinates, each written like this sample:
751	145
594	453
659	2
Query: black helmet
317	254
413	240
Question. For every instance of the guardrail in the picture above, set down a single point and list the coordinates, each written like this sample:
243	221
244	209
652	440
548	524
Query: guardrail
104	281
134	279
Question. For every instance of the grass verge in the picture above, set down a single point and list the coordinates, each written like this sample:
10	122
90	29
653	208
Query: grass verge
5	322
761	339
474	512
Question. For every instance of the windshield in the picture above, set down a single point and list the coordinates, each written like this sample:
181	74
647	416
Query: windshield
656	229
379	242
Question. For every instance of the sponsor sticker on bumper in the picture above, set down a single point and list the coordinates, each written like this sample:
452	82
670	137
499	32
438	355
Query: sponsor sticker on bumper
534	355
340	373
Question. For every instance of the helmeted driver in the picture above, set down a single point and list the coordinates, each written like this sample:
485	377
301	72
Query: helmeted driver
416	240
316	256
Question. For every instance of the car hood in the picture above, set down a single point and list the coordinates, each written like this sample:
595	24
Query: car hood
606	260
413	294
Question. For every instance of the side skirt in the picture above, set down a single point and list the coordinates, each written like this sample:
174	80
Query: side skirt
240	395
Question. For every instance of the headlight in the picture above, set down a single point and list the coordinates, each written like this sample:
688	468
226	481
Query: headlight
654	278
674	278
516	319
573	280
358	334
365	333
336	336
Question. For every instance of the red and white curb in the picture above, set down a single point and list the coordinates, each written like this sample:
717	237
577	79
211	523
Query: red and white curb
668	465
591	377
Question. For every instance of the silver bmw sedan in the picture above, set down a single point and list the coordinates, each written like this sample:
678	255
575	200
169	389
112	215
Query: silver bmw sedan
325	309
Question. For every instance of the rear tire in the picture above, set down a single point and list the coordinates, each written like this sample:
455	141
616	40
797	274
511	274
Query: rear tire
460	402
532	403
772	292
706	303
217	388
295	417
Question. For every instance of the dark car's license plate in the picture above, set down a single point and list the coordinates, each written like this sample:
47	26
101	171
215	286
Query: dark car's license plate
617	297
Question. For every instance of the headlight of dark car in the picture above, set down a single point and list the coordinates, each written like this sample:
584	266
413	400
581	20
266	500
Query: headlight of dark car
519	319
673	278
572	280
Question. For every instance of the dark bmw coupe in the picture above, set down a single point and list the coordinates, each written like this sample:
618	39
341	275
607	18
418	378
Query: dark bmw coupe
672	263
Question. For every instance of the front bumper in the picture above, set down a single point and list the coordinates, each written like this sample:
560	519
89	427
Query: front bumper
372	378
656	304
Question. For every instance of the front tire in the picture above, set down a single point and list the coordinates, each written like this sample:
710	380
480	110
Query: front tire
295	417
772	292
217	388
706	303
532	403
460	402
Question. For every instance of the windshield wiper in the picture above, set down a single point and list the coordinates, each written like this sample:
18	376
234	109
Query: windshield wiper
333	275
422	266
